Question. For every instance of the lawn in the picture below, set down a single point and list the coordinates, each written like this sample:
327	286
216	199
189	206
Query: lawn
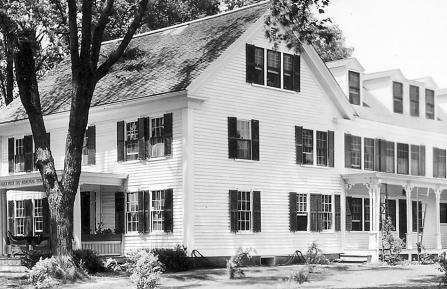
331	276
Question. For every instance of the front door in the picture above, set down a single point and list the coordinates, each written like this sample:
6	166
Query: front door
402	219
85	212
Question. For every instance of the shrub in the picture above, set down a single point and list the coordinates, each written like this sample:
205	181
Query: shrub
235	263
300	276
314	255
32	257
174	260
112	265
87	258
442	262
146	270
54	271
391	244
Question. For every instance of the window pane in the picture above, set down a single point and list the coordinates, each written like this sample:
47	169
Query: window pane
132	140
273	66
356	151
321	148
157	141
19	156
402	158
429	104
356	211
414	100
132	212
389	152
288	71
308	144
369	154
244	211
441	163
354	87
326	208
414	160
157	210
398	97
244	139
259	66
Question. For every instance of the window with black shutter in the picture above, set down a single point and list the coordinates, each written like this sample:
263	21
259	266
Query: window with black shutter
254	64
366	214
245	211
273	68
417	216
322	148
298	212
368	155
243	139
402	158
439	163
89	146
353	151
357	214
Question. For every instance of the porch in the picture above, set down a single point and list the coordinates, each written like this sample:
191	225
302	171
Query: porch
412	202
25	215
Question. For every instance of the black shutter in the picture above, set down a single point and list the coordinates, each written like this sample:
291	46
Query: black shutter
255	140
233	210
167	133
46	215
28	152
299	144
348	214
141	140
256	211
119	212
377	145
146	211
120	140
250	63
421	160
147	139
11	208
292	212
435	162
383	158
367	221
48	139
11	143
348	140
91	145
315	209
296	73
232	137
337	213
28	212
140	212
168	211
330	148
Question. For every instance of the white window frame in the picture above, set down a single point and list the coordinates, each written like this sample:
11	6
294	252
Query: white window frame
19	166
130	202
313	148
126	136
19	218
157	222
249	227
328	216
38	215
248	140
160	151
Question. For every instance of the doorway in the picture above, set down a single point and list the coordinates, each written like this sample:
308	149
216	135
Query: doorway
88	212
403	219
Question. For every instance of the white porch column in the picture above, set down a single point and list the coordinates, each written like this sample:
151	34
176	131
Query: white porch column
438	218
3	222
408	189
374	235
346	188
77	220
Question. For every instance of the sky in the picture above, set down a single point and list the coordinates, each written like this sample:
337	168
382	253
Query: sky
386	34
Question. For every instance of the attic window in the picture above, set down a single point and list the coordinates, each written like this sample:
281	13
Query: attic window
398	106
354	87
414	100
429	104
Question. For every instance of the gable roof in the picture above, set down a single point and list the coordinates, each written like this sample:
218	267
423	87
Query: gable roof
155	63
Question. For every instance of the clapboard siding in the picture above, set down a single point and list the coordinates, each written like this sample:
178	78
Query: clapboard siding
357	240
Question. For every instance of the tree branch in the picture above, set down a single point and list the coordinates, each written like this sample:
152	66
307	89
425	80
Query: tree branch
86	31
74	45
116	54
99	32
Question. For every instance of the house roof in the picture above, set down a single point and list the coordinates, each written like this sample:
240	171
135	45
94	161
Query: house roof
348	62
155	63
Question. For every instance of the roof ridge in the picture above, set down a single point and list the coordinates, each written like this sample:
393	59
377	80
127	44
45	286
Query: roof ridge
190	22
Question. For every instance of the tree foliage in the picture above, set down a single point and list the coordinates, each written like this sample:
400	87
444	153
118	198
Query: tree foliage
333	47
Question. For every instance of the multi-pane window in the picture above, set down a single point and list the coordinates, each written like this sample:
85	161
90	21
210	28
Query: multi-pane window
19	156
326	209
132	210
273	68
367	217
85	149
389	157
301	212
132	140
20	217
243	211
38	215
443	212
356	151
259	66
243	139
429	104
414	100
356	213
157	140
402	158
369	154
308	144
414	160
398	103
322	148
354	87
157	210
441	163
288	71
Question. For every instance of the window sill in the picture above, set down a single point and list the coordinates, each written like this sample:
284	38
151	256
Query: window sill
316	167
244	232
244	160
152	233
275	88
155	159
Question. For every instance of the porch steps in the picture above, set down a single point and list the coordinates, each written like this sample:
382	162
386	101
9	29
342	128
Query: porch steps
12	268
354	259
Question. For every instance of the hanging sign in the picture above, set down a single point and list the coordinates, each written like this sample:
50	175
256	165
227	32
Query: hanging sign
20	183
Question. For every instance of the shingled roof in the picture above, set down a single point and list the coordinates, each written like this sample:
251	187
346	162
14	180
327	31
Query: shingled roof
158	62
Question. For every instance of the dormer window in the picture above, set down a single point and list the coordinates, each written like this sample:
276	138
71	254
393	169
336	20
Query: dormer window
429	104
354	87
414	100
398	103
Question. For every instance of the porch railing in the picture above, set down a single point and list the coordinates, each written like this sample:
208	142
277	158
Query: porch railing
103	245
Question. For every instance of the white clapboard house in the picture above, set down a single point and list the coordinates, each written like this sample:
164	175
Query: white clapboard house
203	135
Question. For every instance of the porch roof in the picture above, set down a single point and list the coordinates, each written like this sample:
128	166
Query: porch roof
34	179
394	179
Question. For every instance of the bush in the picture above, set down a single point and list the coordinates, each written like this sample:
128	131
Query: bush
391	244
112	265
32	257
54	271
88	259
174	260
145	269
442	262
235	263
314	255
300	276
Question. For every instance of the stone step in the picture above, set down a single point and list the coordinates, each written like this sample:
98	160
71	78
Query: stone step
13	269
11	275
10	261
359	259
